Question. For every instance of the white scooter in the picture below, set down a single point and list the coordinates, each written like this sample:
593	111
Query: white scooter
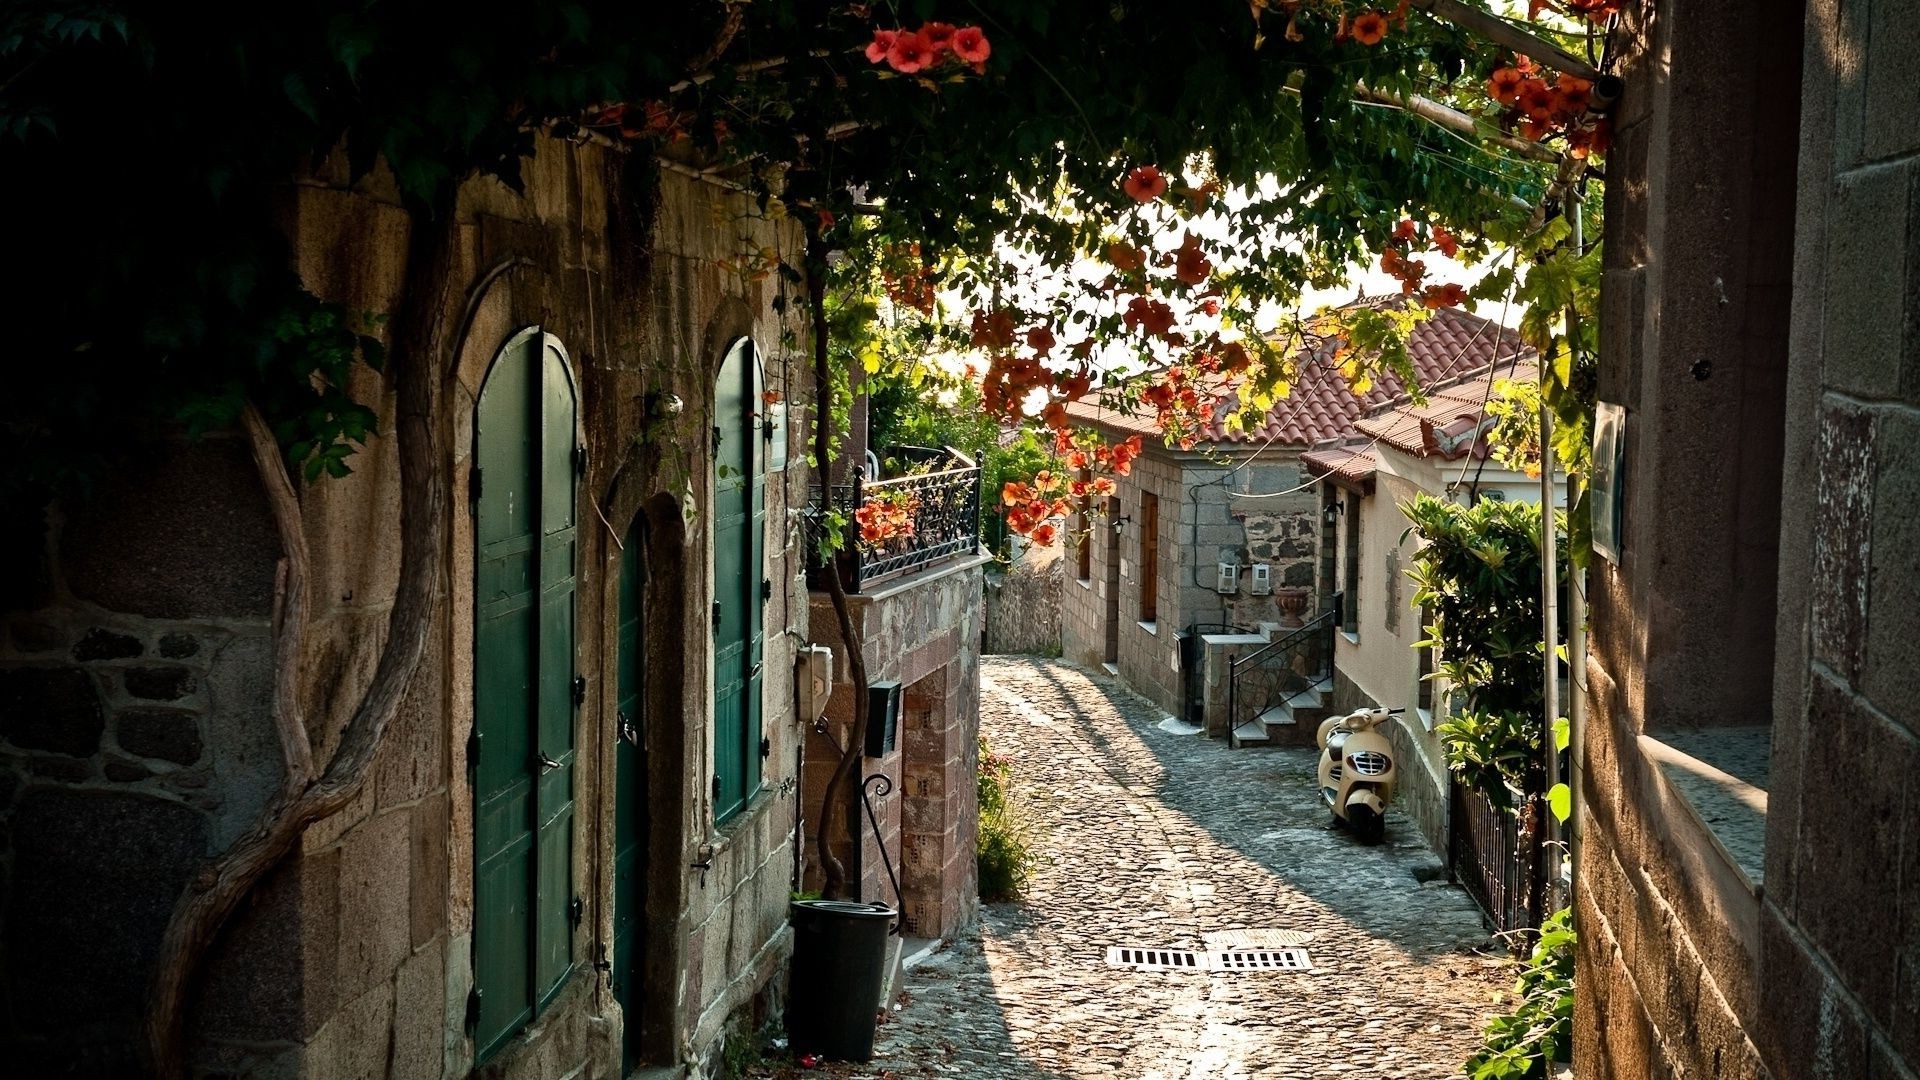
1357	772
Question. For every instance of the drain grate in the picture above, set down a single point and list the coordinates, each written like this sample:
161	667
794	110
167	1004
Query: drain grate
1261	960
1157	959
1256	939
1245	958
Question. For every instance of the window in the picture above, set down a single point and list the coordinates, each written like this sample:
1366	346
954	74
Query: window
1351	615
1084	557
1149	558
740	585
522	754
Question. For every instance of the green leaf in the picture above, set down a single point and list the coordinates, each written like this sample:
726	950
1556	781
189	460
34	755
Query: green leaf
1560	801
1562	733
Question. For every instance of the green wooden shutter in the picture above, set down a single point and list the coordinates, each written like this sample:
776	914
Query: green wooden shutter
523	753
630	802
738	559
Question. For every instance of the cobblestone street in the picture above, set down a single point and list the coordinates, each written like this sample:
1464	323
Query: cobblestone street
1156	839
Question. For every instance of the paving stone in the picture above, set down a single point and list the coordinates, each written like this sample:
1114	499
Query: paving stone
1156	839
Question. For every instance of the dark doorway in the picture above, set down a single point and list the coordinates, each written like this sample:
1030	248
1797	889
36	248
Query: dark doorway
631	821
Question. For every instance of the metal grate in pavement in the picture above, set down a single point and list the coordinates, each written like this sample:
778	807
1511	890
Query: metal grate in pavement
1246	958
1256	939
1260	960
1156	959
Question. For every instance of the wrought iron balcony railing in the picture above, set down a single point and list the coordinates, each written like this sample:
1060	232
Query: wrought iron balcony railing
944	511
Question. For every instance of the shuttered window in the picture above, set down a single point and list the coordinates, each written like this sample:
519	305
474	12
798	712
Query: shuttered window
1149	558
522	751
740	585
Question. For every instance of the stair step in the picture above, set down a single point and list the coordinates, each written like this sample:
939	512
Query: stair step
1253	731
1279	714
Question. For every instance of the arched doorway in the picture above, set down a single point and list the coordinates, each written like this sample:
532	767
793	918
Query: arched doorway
740	586
522	751
631	818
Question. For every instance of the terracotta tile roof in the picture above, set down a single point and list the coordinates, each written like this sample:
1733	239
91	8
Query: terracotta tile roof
1352	462
1321	406
1449	426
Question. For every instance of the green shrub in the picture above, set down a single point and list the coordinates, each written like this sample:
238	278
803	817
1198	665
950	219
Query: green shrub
1524	1043
1005	853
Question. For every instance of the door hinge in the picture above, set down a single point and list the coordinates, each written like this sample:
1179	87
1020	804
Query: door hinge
766	588
579	459
579	689
473	488
473	749
716	614
766	746
473	1009
716	438
578	910
716	787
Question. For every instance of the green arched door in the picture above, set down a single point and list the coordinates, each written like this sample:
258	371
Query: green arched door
522	753
739	581
631	823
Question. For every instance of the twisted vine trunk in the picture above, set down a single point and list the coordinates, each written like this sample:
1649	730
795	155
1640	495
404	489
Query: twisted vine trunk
835	803
217	892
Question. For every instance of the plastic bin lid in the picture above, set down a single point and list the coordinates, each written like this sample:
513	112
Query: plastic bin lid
847	907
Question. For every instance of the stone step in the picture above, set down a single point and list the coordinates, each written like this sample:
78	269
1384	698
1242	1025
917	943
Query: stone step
1250	732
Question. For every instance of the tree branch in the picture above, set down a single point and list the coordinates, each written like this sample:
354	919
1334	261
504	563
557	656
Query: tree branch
290	622
831	810
212	897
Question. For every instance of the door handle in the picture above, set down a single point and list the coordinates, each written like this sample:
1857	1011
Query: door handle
628	732
547	764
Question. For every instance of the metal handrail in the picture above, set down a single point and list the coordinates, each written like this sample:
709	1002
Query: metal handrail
1319	622
946	523
1276	653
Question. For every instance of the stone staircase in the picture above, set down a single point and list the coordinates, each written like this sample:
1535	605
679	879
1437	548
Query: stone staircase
1293	722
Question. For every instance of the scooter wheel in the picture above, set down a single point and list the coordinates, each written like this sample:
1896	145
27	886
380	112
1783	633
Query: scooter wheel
1368	827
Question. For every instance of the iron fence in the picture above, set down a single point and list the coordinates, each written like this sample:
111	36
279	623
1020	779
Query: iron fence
945	511
1496	855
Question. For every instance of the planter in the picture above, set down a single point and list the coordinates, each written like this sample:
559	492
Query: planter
833	988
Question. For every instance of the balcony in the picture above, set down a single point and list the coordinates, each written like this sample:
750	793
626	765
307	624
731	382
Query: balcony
938	493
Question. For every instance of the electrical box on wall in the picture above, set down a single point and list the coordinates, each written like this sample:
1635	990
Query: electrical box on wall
1260	579
883	718
1229	581
813	671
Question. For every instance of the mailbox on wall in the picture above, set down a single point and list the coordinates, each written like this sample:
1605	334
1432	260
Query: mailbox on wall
883	718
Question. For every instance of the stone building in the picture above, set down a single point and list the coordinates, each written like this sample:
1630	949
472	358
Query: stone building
1748	834
1393	454
575	852
1224	539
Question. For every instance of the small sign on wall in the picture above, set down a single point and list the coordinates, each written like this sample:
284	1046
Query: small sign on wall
777	451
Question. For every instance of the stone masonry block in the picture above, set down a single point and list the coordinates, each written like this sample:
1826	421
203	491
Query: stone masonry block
271	977
1866	299
1843	523
375	930
101	644
427	849
418	993
53	709
1857	770
1893	55
168	734
1888	673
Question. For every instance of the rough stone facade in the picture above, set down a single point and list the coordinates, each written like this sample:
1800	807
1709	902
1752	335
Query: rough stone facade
1778	587
921	631
1023	601
1205	519
136	676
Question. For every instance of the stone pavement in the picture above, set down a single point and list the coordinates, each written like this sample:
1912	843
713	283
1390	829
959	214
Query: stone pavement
1156	839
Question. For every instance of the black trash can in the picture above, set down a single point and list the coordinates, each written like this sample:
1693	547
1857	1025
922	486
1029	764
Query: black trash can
833	989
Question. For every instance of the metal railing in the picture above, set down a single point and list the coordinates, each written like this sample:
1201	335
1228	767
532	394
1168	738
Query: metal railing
1282	669
946	522
1497	856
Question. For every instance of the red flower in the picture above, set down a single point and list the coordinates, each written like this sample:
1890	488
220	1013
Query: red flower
910	53
1210	306
1044	534
1145	183
1369	28
938	36
1125	256
1040	340
1536	100
1191	265
1404	230
1445	241
970	44
881	45
1504	85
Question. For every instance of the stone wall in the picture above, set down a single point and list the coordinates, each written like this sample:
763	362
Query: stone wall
922	631
1776	586
135	676
1204	520
1023	601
